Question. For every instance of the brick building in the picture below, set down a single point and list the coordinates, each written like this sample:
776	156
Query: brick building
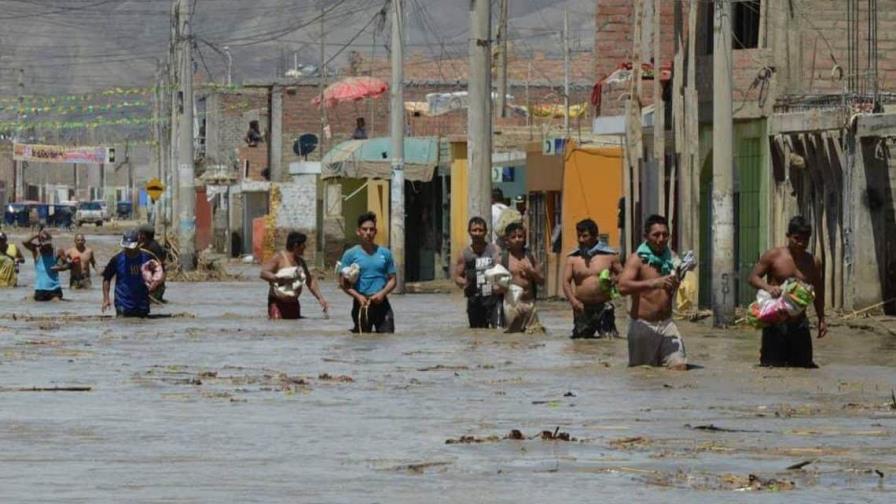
802	73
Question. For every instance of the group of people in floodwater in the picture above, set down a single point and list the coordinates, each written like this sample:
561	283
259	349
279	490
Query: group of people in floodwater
137	269
500	282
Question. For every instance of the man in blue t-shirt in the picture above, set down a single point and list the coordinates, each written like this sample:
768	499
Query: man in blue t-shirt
133	268
375	280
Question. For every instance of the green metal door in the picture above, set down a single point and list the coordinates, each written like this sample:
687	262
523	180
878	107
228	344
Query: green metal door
748	214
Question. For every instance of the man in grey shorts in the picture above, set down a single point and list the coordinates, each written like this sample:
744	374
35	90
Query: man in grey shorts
650	278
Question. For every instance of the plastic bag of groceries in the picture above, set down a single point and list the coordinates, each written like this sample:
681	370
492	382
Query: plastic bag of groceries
766	310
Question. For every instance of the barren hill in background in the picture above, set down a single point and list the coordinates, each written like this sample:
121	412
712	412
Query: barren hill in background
79	46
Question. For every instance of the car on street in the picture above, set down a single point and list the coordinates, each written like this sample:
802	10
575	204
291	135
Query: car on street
89	212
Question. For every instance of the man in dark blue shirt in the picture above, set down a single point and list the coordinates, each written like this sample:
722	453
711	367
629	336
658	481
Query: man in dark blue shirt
136	272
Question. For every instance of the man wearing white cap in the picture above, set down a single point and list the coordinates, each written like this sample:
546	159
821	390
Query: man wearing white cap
136	272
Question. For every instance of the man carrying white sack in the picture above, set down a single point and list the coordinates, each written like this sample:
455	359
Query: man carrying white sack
286	272
483	300
519	300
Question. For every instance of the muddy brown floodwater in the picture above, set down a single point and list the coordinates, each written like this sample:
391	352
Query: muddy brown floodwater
218	404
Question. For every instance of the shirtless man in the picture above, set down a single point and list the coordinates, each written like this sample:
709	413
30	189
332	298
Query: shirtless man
280	305
483	301
591	307
789	343
525	274
82	260
650	278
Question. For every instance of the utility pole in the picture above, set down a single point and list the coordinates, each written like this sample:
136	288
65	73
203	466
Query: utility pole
186	205
396	116
157	141
229	65
723	271
501	40
692	134
566	74
321	84
479	115
659	116
19	169
174	70
634	136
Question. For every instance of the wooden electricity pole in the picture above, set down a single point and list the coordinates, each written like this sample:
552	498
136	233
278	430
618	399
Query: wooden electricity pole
479	116
396	116
501	39
723	268
186	205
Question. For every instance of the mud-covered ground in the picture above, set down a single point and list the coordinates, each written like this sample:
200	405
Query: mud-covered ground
217	404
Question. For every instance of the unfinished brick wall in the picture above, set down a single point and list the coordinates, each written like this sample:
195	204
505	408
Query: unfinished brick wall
227	120
824	42
300	116
613	44
800	42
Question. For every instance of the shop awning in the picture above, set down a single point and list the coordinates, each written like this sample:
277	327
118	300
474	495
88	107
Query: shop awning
372	158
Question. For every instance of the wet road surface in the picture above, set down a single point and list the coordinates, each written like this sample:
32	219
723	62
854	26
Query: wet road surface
218	404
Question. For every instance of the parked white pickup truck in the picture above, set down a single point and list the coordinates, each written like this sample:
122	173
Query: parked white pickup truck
90	212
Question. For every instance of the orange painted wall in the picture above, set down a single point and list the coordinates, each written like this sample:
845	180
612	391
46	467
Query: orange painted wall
592	186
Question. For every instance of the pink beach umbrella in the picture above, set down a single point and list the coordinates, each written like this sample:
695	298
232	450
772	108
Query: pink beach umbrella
352	89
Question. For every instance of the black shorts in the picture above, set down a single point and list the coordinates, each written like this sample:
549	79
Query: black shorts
597	318
47	295
484	312
376	318
788	344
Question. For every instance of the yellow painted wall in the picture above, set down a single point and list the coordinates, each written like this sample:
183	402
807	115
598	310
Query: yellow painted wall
378	199
592	186
459	236
352	207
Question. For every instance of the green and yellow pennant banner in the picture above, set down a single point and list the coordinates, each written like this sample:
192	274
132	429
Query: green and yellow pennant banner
77	108
91	124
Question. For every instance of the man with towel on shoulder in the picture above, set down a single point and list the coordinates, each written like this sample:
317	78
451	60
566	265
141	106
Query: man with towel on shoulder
651	278
589	284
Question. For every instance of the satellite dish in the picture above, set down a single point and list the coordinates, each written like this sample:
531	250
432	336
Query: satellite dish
305	144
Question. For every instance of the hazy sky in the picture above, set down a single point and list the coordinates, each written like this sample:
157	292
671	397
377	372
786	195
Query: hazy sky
68	46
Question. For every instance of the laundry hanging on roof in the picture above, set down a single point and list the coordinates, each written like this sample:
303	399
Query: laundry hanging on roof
443	103
558	111
623	73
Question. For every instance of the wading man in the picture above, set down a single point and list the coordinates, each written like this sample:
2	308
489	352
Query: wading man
790	343
375	268
526	276
286	272
82	261
136	273
483	302
589	295
10	258
47	265
650	278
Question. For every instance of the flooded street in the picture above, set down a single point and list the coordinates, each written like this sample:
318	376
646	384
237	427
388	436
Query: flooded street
217	404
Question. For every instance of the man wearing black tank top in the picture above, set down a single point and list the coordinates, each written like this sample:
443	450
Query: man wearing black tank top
483	301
